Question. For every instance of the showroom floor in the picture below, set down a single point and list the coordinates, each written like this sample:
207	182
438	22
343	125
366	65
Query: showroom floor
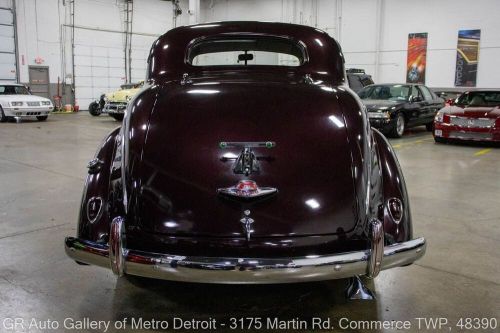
455	198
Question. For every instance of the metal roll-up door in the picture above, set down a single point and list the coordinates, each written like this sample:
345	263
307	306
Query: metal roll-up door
7	45
99	64
141	46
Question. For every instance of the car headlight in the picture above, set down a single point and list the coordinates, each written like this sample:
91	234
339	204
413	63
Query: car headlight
16	103
46	103
439	117
379	115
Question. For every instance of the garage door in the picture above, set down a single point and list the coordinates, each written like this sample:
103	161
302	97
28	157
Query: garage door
99	64
141	45
7	45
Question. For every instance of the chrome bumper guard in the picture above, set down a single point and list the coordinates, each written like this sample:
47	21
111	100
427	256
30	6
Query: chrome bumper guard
115	108
243	270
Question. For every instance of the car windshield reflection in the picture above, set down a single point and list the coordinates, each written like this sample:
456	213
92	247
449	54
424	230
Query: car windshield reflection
395	92
480	98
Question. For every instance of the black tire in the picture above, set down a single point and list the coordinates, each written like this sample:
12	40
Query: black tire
429	127
42	118
399	127
439	140
3	117
117	116
94	109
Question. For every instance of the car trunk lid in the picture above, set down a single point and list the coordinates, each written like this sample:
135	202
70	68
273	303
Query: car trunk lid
184	166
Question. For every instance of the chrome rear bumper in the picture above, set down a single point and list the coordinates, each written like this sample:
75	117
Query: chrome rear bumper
240	270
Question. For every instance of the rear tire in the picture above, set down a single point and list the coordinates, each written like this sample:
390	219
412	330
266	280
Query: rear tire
94	109
117	116
42	118
3	117
440	140
429	127
399	127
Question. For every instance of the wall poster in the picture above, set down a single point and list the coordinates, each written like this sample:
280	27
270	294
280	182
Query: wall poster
467	58
416	61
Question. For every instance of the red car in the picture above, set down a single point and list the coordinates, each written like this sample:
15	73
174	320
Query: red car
474	116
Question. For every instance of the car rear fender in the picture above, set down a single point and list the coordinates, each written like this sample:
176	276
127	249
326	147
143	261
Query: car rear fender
393	187
94	223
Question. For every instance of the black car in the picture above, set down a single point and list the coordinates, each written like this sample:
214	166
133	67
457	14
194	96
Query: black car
357	79
394	107
447	95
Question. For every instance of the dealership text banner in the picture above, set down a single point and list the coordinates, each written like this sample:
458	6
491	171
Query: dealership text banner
467	58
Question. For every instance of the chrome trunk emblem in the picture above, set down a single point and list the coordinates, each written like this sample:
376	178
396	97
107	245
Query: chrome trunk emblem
247	223
247	189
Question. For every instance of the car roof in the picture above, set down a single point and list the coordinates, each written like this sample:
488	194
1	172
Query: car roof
482	90
7	83
396	84
168	57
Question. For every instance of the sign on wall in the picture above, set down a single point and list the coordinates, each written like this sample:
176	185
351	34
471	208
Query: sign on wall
467	58
416	61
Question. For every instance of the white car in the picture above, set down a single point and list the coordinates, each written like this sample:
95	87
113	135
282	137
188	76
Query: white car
17	101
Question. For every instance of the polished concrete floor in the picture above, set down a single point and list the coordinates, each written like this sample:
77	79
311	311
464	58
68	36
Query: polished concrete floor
455	198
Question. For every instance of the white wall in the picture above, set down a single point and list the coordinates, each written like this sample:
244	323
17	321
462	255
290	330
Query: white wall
43	31
352	22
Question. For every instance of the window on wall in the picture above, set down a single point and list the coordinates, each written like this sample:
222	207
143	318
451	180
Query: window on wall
245	51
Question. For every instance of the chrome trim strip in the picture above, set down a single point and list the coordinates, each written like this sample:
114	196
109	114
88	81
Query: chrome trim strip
245	270
117	252
377	250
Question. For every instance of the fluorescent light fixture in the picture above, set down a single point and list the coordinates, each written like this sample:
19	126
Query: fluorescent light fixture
170	224
329	89
230	155
205	26
203	91
336	121
313	203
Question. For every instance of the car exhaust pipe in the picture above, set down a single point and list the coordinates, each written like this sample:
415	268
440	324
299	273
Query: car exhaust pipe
357	290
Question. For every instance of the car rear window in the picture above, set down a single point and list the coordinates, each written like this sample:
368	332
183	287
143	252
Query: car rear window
246	51
14	90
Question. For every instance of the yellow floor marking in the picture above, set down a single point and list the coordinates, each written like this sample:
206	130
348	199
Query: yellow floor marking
483	152
399	145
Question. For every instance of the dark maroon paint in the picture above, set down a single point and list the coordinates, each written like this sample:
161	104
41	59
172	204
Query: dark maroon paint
165	183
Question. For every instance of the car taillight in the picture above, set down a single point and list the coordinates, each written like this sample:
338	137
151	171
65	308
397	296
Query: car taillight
395	207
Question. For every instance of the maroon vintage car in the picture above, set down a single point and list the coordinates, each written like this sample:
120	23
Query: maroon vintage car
473	116
246	159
